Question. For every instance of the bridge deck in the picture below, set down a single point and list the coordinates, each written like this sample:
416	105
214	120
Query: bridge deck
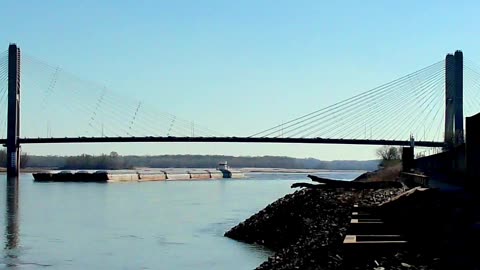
224	139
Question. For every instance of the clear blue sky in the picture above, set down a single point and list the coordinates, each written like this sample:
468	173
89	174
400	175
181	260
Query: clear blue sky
238	66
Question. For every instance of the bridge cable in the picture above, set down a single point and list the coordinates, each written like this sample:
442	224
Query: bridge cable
346	111
353	103
74	91
411	110
383	108
198	128
429	97
344	101
383	113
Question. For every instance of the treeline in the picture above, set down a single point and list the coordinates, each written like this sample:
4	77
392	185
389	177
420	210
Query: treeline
24	159
115	161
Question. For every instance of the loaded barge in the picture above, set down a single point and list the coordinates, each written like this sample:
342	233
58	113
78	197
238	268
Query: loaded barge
107	176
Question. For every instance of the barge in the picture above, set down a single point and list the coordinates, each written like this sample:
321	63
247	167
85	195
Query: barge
107	176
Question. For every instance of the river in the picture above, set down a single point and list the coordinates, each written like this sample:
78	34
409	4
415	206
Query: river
151	225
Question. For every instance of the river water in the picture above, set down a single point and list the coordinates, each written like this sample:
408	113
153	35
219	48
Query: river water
150	225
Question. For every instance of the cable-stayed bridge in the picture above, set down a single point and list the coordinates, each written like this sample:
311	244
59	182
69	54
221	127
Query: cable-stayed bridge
425	108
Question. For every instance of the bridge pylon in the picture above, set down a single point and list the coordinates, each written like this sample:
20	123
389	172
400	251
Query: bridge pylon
453	133
13	111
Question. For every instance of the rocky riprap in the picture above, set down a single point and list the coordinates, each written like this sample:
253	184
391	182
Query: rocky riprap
306	229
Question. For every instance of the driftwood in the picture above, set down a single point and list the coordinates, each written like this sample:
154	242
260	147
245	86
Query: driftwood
329	183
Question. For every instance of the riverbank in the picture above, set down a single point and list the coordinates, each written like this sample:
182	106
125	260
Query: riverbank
306	230
29	170
288	171
245	170
384	174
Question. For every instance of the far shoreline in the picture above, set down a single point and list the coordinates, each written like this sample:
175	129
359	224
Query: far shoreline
252	170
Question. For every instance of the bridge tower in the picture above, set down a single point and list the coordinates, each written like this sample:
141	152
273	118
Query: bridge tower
454	134
13	113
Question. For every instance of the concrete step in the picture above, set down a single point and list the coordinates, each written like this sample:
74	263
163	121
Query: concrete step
363	215
370	226
364	209
363	246
371	239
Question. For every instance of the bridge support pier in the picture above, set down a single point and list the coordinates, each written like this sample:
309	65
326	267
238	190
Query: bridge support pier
449	98
459	133
13	113
408	158
454	134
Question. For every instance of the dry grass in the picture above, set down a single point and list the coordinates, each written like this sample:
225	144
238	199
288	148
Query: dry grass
390	173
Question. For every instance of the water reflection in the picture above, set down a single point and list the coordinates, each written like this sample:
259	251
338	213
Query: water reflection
133	226
11	218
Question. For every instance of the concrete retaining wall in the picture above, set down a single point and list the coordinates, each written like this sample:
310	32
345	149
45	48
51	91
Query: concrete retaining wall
449	162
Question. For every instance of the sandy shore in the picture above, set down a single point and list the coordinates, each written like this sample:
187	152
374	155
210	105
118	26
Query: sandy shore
283	170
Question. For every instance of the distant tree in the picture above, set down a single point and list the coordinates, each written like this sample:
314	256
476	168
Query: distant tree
113	160
389	155
24	158
3	158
